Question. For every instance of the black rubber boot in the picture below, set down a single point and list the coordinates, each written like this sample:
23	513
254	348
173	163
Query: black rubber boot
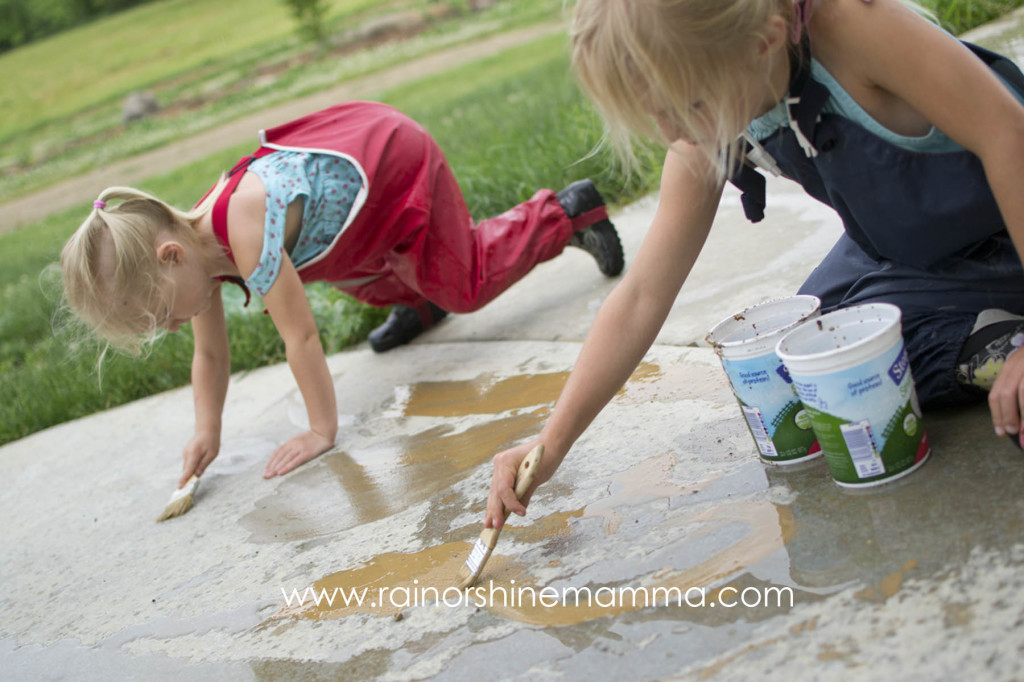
599	239
402	326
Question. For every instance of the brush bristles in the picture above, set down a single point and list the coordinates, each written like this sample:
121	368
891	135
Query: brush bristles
181	500
176	507
474	565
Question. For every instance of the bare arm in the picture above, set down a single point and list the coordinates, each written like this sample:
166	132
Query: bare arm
639	305
288	307
287	304
211	365
958	94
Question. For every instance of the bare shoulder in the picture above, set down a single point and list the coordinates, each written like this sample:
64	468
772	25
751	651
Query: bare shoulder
247	212
836	14
858	35
841	29
873	49
908	74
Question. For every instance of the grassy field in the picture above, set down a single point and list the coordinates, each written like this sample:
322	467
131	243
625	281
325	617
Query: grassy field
62	96
134	49
509	125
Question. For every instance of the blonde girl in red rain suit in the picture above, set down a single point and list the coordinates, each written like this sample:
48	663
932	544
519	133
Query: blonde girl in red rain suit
363	198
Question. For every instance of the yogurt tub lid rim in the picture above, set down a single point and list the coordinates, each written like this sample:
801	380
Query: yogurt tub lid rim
758	336
784	355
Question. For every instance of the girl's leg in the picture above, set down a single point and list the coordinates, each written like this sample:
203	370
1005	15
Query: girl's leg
416	232
507	246
940	306
462	266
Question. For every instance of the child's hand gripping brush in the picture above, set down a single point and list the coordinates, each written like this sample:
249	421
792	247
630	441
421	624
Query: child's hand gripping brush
484	545
181	500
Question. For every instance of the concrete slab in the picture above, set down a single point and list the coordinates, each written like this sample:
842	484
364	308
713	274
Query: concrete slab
664	491
790	573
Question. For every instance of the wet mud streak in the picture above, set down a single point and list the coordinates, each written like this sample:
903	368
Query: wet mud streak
679	381
645	482
889	585
763	537
420	579
373	485
390	583
485	394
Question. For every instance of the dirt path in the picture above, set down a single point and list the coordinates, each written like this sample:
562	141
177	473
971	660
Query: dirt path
135	170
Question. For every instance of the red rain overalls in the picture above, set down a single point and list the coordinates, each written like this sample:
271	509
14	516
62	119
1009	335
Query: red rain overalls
412	240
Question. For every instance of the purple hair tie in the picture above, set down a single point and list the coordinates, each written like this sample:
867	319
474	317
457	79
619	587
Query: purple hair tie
99	203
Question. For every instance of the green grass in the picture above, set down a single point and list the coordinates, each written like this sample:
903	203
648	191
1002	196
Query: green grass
72	123
961	15
135	49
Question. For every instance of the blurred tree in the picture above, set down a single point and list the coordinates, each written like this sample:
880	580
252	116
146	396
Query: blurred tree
22	21
15	23
310	15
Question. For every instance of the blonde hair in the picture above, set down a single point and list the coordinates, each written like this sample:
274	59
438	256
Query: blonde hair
692	59
113	280
634	58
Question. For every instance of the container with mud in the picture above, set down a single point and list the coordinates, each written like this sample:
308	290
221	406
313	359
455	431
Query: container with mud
851	371
745	343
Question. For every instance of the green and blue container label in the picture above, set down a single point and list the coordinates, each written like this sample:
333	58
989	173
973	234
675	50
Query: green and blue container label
866	418
778	422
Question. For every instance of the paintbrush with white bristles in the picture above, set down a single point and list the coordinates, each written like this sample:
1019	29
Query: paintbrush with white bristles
484	545
181	500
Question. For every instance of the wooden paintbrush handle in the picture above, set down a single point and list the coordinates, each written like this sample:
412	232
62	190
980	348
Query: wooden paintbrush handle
489	536
526	472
